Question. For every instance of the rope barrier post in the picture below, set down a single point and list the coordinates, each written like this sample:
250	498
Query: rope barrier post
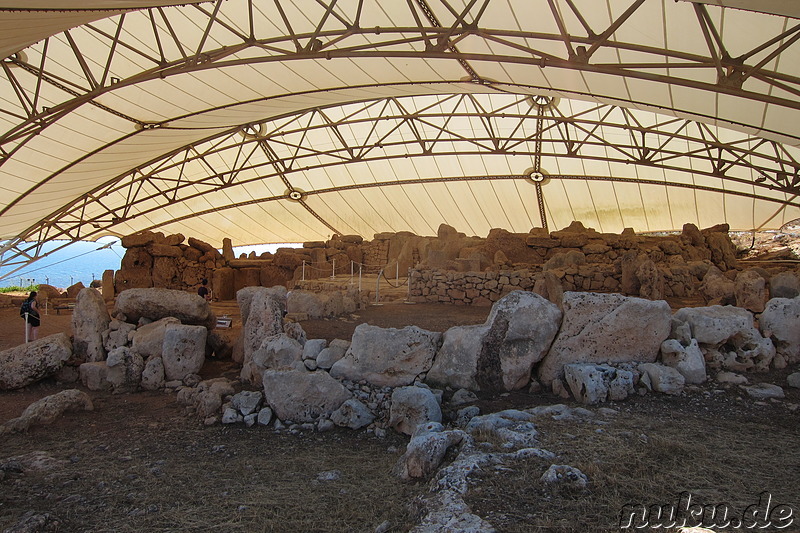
378	287
408	280
397	272
359	278
333	269
304	271
46	300
26	328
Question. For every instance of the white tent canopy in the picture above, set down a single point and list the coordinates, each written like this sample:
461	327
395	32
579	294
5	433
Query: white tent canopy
291	120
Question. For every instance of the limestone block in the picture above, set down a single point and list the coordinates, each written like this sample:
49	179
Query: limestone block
184	350
90	319
599	328
302	396
28	363
412	407
387	356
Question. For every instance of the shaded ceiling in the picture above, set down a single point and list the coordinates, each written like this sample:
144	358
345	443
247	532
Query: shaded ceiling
291	120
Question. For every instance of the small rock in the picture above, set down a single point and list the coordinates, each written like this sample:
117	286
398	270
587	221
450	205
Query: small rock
329	475
794	380
565	474
764	391
324	424
463	396
264	416
730	377
231	416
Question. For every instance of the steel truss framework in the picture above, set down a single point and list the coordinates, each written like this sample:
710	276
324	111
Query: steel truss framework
279	150
114	54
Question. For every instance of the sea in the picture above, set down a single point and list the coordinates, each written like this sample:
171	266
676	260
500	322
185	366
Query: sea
86	261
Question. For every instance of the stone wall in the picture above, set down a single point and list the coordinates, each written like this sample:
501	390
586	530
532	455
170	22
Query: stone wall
451	263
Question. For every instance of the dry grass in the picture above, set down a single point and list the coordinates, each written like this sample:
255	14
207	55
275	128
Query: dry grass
645	459
171	475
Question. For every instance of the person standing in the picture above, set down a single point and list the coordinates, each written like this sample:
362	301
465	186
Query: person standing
30	313
203	290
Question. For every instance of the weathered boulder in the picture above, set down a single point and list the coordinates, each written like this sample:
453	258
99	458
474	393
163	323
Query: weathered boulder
662	378
48	409
606	328
717	289
124	370
155	304
90	319
387	356
74	290
499	354
48	292
750	291
727	337
591	383
184	350
313	347
509	428
780	322
302	396
94	376
352	414
247	402
153	373
784	285
277	351
688	360
426	450
412	407
565	475
117	334
329	355
148	340
765	391
28	363
262	315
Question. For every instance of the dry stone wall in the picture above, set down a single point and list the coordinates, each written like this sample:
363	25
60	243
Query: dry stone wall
452	267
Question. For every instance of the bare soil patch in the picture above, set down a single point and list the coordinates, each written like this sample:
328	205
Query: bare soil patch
139	463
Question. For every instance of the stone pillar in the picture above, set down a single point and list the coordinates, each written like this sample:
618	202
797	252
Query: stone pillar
223	284
108	285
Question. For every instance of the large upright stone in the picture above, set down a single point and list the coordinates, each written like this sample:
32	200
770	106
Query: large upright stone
387	356
262	315
302	396
750	291
89	320
780	321
184	350
499	354
28	363
108	285
601	328
155	304
124	370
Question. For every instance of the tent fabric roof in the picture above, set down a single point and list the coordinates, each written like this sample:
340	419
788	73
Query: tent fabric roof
291	120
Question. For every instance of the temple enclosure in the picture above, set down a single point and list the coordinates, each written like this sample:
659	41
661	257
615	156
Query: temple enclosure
539	382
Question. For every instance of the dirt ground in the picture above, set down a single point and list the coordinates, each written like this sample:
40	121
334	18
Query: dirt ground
139	463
